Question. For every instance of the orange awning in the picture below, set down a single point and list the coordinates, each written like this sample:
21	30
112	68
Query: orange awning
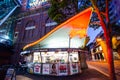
73	27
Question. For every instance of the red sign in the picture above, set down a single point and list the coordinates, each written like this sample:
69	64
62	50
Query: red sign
63	69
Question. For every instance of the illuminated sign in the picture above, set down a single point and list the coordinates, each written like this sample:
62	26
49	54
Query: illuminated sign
35	3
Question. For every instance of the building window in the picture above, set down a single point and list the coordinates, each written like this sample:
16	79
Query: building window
16	34
29	29
100	48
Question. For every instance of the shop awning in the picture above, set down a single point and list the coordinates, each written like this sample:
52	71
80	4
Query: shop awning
70	33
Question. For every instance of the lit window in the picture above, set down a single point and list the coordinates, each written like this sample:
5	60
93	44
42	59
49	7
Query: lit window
100	48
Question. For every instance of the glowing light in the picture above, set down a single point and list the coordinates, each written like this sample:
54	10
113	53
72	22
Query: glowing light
33	3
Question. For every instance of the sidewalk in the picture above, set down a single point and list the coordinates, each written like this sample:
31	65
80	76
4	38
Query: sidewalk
102	67
88	74
99	66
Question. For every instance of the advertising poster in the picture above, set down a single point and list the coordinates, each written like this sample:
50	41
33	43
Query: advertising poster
37	68
73	68
46	69
53	69
63	69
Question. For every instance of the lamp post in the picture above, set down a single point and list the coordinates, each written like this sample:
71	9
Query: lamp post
69	41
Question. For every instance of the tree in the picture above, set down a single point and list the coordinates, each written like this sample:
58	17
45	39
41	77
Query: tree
60	10
105	24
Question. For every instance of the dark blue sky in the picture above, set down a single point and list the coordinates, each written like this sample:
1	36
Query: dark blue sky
93	33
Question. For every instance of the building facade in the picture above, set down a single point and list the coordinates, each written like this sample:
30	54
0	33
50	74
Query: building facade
114	12
98	48
7	19
31	24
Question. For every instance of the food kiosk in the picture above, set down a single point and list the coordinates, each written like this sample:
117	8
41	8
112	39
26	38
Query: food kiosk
59	56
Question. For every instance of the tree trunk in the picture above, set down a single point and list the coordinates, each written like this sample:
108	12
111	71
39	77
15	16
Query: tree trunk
107	35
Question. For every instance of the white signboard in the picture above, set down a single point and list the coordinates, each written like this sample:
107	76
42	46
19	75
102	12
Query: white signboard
37	68
46	69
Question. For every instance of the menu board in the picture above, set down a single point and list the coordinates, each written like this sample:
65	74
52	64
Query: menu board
73	68
46	69
63	69
37	68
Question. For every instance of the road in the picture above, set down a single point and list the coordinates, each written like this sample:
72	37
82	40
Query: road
102	67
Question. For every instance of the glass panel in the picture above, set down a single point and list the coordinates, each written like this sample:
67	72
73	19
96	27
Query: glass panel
5	7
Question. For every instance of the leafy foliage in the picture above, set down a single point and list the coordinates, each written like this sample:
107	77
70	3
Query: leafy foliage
61	10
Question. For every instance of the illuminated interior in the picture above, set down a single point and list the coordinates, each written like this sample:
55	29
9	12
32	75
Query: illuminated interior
60	39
